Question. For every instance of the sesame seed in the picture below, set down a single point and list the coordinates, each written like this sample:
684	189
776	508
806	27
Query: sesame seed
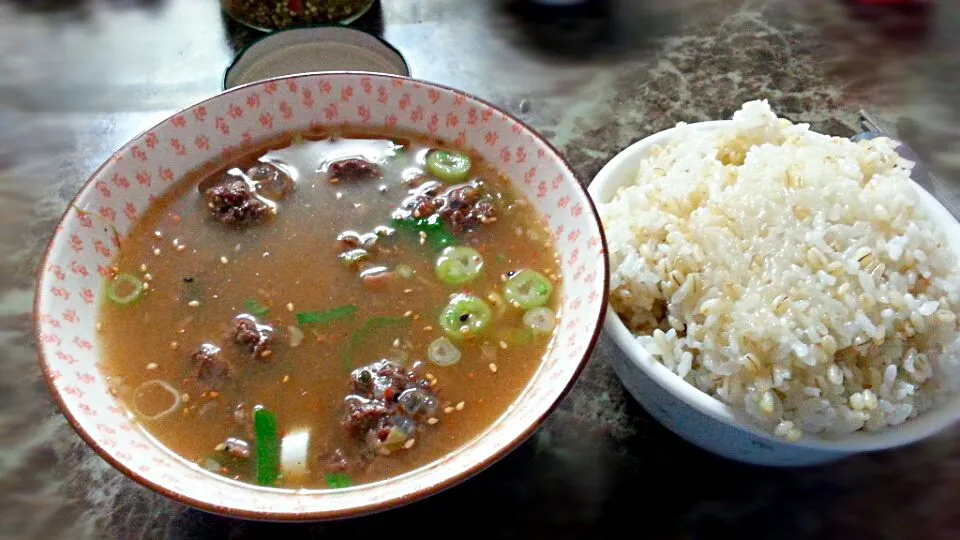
429	376
433	421
434	382
146	286
185	397
409	444
220	447
156	251
339	195
503	344
181	247
158	234
416	317
213	393
152	365
461	405
148	277
266	254
193	303
286	378
143	267
408	291
99	327
289	306
427	328
266	353
448	410
396	342
224	260
407	313
174	345
237	248
112	390
493	368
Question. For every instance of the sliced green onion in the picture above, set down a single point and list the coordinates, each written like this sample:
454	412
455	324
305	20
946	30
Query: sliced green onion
443	352
465	316
293	455
437	235
337	480
540	319
324	317
459	265
255	308
124	289
448	166
267	446
528	289
364	332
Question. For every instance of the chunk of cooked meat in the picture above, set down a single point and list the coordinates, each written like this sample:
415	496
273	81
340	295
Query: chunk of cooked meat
212	369
386	406
464	208
364	415
271	181
354	169
234	202
460	208
255	338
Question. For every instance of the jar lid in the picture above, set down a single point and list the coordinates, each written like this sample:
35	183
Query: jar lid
307	50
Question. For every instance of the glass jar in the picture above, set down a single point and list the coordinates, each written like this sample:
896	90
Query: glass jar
270	15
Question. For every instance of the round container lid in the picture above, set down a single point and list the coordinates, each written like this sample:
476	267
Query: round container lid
306	50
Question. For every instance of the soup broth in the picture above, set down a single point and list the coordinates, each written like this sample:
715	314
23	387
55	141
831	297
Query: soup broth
329	311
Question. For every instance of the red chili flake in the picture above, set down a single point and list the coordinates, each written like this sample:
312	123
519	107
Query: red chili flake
295	6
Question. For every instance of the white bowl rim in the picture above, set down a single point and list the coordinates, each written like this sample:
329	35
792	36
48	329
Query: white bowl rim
925	425
289	516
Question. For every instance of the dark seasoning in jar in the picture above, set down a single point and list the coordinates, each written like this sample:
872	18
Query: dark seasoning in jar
279	14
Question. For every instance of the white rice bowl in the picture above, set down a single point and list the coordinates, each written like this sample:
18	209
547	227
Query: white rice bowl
792	275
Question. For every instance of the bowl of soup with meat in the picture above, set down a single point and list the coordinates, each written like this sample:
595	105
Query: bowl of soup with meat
320	296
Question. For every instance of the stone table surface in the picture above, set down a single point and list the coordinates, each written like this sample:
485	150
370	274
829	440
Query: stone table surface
79	78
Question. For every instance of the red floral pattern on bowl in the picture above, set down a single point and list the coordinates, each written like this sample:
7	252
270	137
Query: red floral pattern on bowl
70	283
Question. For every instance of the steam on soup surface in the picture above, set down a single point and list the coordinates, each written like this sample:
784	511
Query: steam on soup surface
329	311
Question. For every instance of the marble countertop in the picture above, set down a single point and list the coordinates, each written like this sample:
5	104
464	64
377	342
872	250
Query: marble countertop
78	79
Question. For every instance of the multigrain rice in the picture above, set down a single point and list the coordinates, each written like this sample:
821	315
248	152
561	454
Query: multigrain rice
789	274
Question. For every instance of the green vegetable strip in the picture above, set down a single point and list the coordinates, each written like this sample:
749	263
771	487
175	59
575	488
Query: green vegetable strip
255	308
267	446
438	237
337	480
363	332
324	317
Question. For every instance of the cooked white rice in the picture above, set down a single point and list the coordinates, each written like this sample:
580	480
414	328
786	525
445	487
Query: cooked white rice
789	274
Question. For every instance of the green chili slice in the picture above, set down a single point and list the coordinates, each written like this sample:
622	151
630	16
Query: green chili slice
124	289
448	166
465	316
458	265
528	289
